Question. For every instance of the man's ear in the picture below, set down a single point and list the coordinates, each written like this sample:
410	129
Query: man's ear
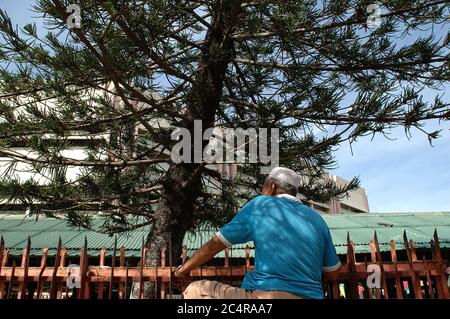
273	189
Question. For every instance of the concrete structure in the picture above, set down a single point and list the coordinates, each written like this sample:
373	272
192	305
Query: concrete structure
356	201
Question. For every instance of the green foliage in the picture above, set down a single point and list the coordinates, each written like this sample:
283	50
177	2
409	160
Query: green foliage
135	69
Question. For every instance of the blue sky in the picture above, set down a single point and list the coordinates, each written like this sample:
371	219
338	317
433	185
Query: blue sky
399	176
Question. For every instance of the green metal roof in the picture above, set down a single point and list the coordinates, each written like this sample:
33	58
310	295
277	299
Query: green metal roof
389	226
45	232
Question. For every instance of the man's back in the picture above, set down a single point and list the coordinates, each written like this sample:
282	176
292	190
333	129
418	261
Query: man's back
292	245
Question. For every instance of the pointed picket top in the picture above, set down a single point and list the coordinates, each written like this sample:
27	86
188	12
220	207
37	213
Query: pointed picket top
437	247
122	255
102	256
59	244
406	244
142	247
9	291
377	245
141	271
405	238
113	261
26	253
443	277
373	251
83	258
435	236
378	251
350	247
55	270
113	264
352	267
58	251
115	247
412	244
393	251
84	248
2	247
349	244
162	251
392	243
29	243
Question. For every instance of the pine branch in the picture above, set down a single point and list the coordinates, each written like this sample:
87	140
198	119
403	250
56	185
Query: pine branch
341	68
350	22
73	162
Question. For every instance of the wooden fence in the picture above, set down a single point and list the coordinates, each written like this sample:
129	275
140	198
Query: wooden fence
411	278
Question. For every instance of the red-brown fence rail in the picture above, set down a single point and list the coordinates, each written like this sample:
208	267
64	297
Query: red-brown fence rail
411	278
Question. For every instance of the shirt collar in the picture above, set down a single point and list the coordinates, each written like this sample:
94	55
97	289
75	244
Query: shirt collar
290	197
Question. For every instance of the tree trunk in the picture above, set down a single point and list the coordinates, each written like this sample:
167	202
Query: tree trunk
174	216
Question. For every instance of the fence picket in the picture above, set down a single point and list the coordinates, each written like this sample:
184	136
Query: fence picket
17	279
398	284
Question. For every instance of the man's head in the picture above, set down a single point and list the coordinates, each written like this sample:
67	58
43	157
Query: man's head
281	180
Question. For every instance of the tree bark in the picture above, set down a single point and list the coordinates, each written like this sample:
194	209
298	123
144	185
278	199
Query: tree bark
174	216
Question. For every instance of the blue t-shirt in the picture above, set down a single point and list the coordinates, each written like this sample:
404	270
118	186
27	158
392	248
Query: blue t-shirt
293	245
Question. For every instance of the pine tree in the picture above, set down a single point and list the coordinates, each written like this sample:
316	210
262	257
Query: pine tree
134	70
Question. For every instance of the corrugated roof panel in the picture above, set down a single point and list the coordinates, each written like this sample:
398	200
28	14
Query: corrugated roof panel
380	220
342	221
132	240
385	235
7	223
45	233
24	225
49	239
442	231
13	239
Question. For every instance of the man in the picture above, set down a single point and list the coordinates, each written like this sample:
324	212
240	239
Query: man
293	246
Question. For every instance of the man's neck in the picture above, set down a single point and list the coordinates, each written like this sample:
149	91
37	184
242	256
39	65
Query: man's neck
289	196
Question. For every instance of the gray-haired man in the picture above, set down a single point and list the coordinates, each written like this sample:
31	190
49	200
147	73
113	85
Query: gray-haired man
292	242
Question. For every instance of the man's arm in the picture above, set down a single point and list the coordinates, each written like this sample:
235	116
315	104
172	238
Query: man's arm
237	231
331	263
332	275
202	255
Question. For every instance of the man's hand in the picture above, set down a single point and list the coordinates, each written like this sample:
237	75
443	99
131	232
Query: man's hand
205	253
178	273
